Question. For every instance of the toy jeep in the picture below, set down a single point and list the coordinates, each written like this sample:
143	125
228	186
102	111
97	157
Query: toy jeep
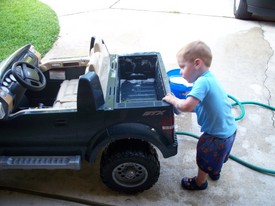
57	114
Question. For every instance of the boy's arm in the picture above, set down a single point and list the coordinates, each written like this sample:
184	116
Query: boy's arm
184	105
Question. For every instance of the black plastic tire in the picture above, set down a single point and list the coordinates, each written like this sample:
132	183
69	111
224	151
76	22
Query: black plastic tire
129	166
240	10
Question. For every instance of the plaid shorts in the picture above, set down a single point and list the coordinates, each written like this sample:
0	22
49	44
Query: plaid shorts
212	152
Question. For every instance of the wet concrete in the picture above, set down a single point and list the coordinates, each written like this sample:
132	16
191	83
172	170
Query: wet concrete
243	61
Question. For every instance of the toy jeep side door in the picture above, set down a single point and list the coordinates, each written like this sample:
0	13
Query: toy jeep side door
38	130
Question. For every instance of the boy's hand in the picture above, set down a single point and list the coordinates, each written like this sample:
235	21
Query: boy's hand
170	98
184	105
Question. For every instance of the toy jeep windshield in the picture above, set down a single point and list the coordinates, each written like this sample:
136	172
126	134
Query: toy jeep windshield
62	112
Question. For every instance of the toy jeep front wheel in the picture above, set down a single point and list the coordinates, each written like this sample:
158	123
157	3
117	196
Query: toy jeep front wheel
129	167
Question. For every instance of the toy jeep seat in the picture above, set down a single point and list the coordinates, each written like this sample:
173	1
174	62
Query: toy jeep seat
66	97
90	95
99	63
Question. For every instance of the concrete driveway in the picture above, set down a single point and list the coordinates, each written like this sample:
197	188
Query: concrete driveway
244	62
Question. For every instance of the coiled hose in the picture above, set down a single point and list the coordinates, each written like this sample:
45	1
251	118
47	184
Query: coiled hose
240	104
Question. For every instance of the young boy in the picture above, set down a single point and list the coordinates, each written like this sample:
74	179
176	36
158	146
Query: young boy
210	102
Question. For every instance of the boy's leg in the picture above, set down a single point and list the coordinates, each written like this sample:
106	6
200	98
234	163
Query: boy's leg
201	178
212	153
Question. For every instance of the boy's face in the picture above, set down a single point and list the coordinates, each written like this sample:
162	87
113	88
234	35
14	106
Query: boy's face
188	70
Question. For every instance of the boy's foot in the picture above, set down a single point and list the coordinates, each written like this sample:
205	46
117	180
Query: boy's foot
191	184
214	177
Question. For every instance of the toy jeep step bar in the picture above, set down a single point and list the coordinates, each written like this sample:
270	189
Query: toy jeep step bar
40	162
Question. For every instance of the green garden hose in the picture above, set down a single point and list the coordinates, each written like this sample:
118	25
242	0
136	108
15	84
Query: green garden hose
240	104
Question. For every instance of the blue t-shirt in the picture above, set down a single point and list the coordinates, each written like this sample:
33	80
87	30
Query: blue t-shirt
214	110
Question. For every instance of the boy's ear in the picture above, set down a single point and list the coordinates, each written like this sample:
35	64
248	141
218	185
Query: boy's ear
197	63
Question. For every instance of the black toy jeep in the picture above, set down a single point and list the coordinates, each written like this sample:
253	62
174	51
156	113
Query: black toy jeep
56	114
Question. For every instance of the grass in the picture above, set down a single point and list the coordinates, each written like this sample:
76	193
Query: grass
26	21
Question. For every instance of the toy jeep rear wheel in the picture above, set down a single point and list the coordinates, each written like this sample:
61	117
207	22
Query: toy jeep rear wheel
130	166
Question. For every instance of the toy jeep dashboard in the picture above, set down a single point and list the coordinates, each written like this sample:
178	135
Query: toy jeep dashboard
62	112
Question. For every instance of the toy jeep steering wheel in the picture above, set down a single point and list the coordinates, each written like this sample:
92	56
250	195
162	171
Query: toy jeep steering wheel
29	76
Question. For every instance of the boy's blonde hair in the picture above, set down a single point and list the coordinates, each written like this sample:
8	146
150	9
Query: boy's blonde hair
194	50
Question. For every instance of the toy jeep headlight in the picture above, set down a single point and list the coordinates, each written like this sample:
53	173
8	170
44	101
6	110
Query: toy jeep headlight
2	111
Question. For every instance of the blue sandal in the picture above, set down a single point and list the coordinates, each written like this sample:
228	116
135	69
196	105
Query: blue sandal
191	184
214	177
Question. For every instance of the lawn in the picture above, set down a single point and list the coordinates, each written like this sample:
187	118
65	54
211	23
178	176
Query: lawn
26	21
